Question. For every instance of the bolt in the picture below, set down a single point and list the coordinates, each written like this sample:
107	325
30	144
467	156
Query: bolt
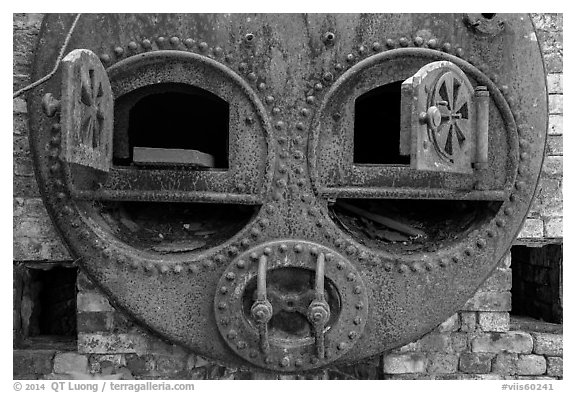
341	346
221	306
252	76
241	264
418	41
432	43
358	290
203	46
390	43
447	47
223	290
218	51
146	44
403	41
298	248
230	276
285	362
267	251
350	57
118	51
174	41
262	86
352	335
160	40
329	38
189	42
232	334
132	45
249	38
241	345
283	247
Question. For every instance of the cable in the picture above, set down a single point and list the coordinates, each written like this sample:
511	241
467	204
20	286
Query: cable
58	60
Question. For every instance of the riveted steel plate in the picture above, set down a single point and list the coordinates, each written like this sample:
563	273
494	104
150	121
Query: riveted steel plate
296	79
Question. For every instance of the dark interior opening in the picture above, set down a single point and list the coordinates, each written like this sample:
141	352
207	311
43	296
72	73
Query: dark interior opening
488	16
537	282
46	301
172	228
171	116
377	126
408	225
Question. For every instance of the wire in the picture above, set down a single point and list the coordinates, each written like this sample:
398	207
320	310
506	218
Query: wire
58	60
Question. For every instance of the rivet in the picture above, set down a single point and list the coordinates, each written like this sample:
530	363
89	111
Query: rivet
357	321
233	251
524	156
402	268
283	247
306	198
160	40
362	256
230	276
504	89
362	49
350	277
428	266
298	248
352	335
267	251
376	47
341	346
432	43
480	243
468	252
249	38
223	290
390	43
281	183
222	306
403	41
268	359
340	266
508	211
218	51
279	125
208	264
241	344
174	41
105	58
351	250
285	362
357	290
338	67
55	140
299	170
310	100
189	42
298	155
232	334
269	99
242	67
328	38
254	256
277	196
299	125
318	86
349	57
298	362
490	233
193	268
146	44
220	258
224	321
314	251
252	77
520	185
387	266
418	41
338	242
500	222
134	264
132	45
203	46
118	51
459	52
336	116
262	86
276	110
447	47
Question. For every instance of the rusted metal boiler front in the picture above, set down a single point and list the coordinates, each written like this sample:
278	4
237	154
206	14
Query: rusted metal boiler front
285	192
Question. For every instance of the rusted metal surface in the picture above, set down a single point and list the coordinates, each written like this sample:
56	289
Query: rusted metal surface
291	84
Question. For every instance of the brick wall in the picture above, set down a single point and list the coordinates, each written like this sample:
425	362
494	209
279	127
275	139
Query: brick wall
479	342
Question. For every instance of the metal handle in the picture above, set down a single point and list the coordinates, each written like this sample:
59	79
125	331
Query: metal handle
319	310
261	310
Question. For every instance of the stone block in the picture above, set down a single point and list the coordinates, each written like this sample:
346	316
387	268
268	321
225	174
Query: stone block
459	341
531	365
514	341
505	364
20	146
555	83
19	106
552	166
452	324
549	344
22	166
90	322
555	125
476	363
547	22
32	362
554	145
435	342
532	228
403	363
168	365
553	62
112	343
494	321
554	366
555	104
468	321
442	363
489	301
553	228
70	362
20	125
92	302
548	198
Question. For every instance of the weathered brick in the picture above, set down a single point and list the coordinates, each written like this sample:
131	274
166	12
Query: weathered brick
555	104
435	342
92	302
489	301
552	166
548	344
403	363
20	125
70	361
554	145
531	365
23	166
35	362
25	187
20	146
553	228
499	280
476	363
548	198
553	62
547	22
29	22
19	105
554	366
555	124
112	343
494	321
168	365
555	83
505	364
442	363
468	321
452	324
516	342
90	322
532	228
